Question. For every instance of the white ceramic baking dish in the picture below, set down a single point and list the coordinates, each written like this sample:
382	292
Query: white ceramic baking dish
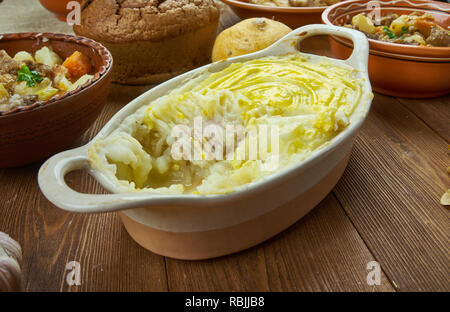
199	226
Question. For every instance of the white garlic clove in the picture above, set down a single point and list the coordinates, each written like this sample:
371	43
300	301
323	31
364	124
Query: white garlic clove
10	259
11	247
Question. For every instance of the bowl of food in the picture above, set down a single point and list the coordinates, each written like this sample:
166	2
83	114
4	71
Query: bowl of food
58	7
52	88
205	164
293	13
409	43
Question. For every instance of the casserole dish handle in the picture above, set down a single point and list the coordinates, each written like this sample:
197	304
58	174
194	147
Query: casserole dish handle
51	179
52	174
360	55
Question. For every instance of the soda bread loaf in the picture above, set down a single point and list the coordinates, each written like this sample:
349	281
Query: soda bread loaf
151	40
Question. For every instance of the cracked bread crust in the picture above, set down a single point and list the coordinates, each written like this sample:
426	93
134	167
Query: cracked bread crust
119	21
151	40
149	62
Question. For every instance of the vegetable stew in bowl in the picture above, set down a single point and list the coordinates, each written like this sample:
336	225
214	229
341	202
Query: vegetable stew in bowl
26	79
54	87
414	29
409	52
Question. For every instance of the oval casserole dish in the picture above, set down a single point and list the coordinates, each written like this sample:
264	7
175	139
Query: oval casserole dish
205	226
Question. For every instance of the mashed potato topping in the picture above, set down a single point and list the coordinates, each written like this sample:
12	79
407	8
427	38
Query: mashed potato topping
302	105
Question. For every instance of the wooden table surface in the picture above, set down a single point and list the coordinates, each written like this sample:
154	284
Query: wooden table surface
385	208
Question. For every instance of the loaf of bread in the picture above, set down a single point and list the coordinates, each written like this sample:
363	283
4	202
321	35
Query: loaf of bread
151	40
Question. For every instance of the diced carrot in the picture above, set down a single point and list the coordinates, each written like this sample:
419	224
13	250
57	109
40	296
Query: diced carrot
77	64
424	26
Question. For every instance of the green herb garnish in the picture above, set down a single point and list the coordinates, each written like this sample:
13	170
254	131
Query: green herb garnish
405	29
29	76
389	33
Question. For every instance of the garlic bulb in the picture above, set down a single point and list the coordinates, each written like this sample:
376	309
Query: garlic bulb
10	259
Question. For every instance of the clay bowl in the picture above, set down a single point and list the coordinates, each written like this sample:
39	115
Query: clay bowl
293	17
398	69
57	7
30	133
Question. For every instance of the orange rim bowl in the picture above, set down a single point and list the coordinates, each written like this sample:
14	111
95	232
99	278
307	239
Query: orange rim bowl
292	17
398	69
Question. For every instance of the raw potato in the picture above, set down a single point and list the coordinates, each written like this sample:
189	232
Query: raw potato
248	36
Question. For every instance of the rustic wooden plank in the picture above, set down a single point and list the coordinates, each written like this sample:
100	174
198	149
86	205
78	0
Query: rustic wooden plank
17	188
237	272
244	271
321	252
434	112
391	192
93	238
110	260
318	45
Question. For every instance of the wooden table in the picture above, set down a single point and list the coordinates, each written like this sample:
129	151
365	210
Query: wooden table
385	208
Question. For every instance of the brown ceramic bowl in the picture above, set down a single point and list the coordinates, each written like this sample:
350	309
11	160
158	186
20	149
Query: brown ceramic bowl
398	69
33	132
57	7
293	17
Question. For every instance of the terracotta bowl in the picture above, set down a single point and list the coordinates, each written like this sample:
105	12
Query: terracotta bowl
189	226
398	69
57	7
293	17
30	133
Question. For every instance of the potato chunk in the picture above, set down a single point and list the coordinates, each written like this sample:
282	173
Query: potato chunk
23	56
363	23
47	57
4	95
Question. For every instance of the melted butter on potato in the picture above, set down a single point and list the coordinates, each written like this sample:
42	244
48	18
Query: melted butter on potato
309	103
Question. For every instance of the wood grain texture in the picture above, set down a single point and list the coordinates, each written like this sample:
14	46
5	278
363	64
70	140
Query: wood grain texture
391	192
324	252
110	260
385	208
321	252
435	113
